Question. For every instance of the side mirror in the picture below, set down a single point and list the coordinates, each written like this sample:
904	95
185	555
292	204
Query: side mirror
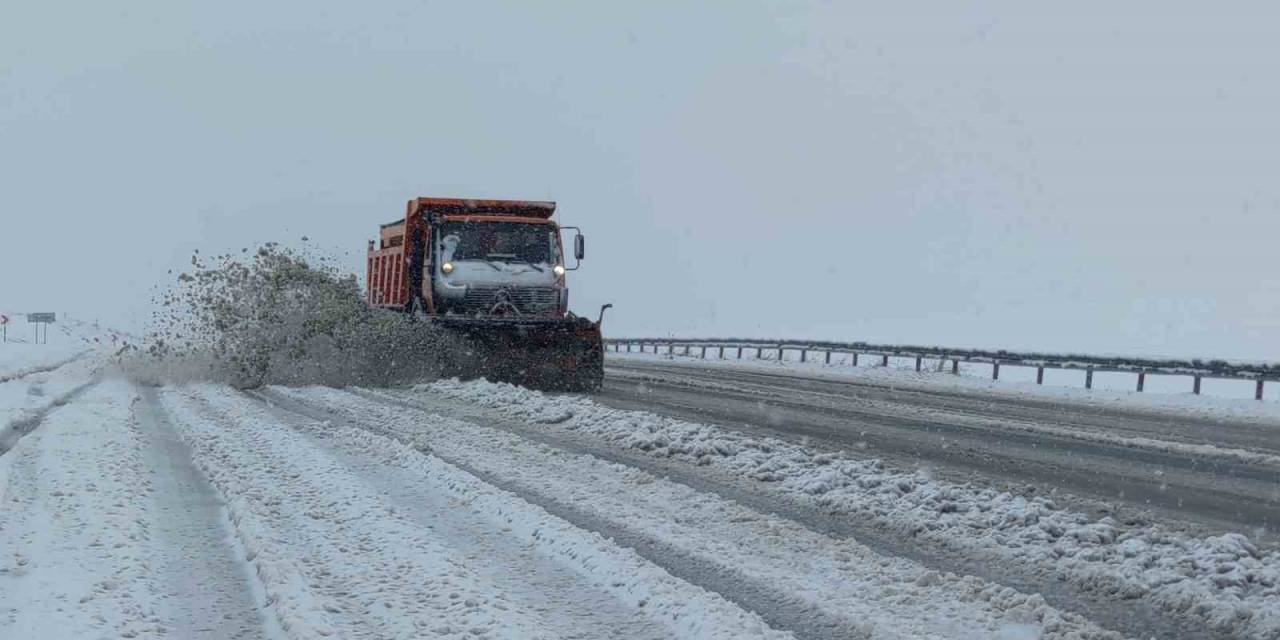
579	247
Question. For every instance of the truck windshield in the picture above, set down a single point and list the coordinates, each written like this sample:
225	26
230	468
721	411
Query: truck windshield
497	241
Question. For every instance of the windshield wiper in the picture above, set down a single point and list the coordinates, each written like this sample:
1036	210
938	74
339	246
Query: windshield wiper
509	258
539	269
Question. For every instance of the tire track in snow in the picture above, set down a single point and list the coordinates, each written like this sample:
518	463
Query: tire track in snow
209	591
338	558
333	560
525	573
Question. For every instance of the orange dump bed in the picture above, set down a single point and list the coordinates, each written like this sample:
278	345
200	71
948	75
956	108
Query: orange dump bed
386	284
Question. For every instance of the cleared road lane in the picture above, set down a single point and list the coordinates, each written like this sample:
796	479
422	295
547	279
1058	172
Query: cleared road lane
1213	474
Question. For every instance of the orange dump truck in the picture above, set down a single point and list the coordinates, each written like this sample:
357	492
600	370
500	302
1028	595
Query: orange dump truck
492	274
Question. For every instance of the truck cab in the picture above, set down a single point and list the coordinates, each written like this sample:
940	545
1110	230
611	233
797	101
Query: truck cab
487	266
476	258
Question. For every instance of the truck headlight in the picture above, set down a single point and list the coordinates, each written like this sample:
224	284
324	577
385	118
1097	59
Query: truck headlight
446	268
558	270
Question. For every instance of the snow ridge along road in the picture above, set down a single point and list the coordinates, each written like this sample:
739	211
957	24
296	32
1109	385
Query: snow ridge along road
210	591
1222	583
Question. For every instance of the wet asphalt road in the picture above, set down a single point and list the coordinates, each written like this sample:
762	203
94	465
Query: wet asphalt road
1027	444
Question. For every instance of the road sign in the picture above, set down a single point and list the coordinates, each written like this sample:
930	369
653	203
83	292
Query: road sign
4	319
41	317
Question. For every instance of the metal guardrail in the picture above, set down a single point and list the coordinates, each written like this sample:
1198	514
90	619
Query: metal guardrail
1260	373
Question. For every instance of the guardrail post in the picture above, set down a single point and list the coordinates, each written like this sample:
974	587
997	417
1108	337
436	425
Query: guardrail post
1142	381
855	358
1088	378
1257	393
804	355
955	367
780	354
721	352
919	361
704	352
1040	375
828	359
884	360
995	370
759	351
739	353
1196	388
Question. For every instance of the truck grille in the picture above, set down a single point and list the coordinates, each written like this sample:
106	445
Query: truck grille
527	300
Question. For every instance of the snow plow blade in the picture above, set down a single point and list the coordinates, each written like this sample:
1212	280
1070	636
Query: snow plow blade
548	355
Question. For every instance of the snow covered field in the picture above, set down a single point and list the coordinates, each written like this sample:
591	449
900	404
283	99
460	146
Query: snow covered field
21	355
462	510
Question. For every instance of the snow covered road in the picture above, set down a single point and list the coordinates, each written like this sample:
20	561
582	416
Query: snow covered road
479	510
797	579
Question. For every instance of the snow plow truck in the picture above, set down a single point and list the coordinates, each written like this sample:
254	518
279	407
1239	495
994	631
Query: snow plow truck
488	277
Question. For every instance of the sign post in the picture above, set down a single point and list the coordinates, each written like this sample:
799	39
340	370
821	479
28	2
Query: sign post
41	319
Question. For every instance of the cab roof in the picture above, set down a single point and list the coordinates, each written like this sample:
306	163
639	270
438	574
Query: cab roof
474	207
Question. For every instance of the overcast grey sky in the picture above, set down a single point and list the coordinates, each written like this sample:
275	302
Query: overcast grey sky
1091	176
